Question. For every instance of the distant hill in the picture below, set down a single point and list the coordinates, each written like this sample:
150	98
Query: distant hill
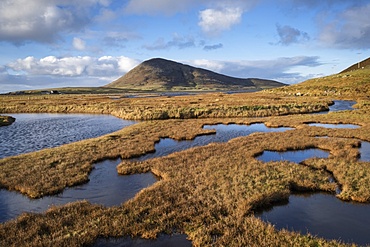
364	64
165	75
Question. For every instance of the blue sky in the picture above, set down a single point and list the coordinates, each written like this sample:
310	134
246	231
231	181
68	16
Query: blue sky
58	43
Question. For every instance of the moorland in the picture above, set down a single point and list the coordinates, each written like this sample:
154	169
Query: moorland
210	193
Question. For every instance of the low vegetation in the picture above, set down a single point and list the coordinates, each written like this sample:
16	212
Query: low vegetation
6	120
209	193
209	105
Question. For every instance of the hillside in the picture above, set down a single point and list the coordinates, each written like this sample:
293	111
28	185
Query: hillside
165	75
353	83
364	64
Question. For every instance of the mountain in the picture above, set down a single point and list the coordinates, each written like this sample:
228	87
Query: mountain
364	64
161	74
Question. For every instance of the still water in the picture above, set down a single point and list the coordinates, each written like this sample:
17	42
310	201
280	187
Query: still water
365	151
105	187
342	105
32	132
339	105
224	133
319	214
322	215
296	156
335	126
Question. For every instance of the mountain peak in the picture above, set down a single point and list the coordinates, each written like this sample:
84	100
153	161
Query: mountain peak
162	74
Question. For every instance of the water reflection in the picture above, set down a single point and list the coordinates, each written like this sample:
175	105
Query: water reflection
296	156
32	132
224	133
105	187
335	126
365	151
323	215
340	105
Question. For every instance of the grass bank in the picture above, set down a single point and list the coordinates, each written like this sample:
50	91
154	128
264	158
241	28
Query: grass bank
211	105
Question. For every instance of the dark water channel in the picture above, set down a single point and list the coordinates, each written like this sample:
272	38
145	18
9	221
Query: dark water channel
322	215
224	133
340	105
296	156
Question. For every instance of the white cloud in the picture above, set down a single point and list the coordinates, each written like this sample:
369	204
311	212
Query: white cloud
80	66
79	44
43	21
276	69
170	7
214	21
51	71
349	30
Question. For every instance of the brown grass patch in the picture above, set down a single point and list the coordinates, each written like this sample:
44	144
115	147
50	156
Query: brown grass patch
6	120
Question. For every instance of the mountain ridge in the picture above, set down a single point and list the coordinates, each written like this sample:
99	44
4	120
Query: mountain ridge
166	75
364	64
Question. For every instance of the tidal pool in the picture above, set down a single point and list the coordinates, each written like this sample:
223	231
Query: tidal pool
32	132
322	215
105	187
335	126
296	156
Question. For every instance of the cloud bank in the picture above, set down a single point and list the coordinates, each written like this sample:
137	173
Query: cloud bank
79	66
276	69
349	29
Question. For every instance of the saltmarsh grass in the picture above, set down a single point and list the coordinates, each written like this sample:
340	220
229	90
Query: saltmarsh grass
181	107
6	120
210	192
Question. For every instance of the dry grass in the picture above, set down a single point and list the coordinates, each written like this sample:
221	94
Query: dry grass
180	107
209	193
350	84
6	120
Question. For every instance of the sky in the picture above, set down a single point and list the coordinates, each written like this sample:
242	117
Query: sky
62	43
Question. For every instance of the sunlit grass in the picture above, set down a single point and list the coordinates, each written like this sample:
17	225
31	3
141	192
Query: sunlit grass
211	192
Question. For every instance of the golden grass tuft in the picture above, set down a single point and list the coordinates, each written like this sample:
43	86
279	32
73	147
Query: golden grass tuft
6	120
